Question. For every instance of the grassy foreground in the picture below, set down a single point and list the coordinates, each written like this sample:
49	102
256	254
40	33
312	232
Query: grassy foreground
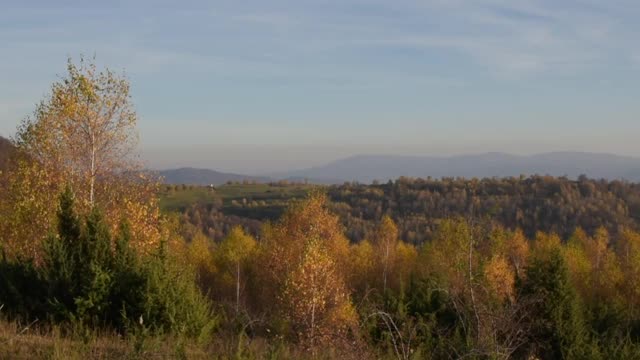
30	341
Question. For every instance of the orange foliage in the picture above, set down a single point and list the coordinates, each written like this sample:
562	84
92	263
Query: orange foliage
500	278
302	264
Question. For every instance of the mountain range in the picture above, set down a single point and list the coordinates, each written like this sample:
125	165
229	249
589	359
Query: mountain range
367	168
194	176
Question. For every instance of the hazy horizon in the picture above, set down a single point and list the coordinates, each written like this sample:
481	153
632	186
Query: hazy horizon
265	160
258	87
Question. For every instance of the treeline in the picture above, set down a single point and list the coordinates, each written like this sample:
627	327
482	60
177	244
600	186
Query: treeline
537	203
532	204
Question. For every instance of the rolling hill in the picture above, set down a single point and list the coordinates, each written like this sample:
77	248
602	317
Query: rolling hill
194	176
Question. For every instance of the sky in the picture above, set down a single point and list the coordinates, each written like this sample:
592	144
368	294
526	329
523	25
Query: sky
259	86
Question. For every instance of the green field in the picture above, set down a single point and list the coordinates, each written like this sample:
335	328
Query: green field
257	201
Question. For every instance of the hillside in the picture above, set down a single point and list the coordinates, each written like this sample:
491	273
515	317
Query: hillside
194	176
366	168
539	203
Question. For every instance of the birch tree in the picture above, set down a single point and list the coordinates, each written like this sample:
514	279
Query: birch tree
316	298
234	251
82	133
386	240
302	262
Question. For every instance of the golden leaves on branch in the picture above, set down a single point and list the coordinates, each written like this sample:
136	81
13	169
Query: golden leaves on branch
500	278
82	134
315	297
302	264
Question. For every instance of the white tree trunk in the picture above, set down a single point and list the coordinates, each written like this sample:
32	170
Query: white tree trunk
384	267
237	286
92	175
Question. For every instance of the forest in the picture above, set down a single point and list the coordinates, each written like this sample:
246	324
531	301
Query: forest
531	204
99	259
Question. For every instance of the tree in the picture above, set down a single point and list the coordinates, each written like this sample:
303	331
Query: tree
629	254
579	266
362	265
386	239
500	277
93	279
518	251
503	256
301	269
202	257
316	297
235	250
593	264
405	261
83	134
87	125
446	258
558	330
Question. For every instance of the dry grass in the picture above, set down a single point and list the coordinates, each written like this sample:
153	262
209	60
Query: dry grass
20	341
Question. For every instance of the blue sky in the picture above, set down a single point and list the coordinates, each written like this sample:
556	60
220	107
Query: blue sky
263	85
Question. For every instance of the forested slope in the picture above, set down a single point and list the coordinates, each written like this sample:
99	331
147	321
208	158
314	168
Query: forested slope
547	204
540	203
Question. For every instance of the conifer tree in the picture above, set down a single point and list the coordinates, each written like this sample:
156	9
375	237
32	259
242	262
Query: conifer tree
557	321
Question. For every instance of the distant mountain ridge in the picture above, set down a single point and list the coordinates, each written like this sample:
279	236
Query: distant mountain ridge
366	168
195	176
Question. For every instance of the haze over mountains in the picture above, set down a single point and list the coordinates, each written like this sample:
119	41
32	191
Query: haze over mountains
367	168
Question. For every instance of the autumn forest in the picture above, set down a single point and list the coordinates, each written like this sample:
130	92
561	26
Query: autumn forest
102	259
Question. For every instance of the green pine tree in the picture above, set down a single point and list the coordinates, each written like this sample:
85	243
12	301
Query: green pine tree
558	328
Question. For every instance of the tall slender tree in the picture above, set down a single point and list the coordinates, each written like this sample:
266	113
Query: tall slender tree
82	133
386	240
234	251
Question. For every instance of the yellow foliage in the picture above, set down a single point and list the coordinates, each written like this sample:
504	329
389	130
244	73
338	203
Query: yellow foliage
447	256
500	278
518	251
315	297
546	243
283	243
201	254
82	134
628	250
405	262
579	266
362	265
594	268
385	240
236	246
302	265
